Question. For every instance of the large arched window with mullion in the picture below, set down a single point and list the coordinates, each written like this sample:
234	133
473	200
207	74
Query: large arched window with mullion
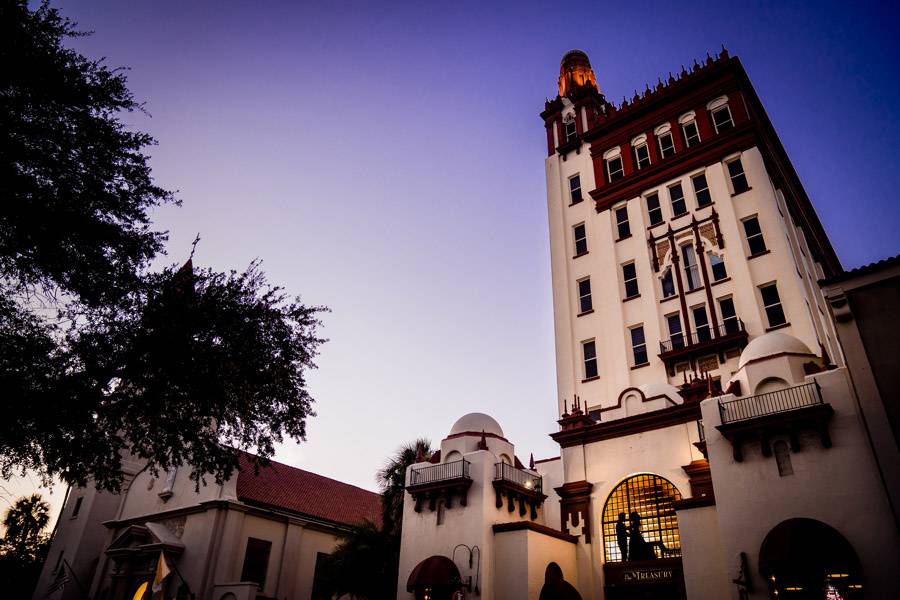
639	520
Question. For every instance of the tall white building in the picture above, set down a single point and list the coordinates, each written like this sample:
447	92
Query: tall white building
713	444
678	232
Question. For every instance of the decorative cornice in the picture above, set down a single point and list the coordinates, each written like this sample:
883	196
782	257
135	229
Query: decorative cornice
658	419
742	137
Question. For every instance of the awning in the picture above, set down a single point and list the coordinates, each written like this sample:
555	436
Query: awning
433	572
804	545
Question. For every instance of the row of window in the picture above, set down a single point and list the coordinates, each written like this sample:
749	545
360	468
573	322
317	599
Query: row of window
702	329
677	201
615	166
692	279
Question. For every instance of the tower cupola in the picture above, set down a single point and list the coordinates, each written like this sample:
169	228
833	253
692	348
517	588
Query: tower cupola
575	72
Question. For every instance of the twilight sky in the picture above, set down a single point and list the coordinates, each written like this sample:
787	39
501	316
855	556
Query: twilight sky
387	161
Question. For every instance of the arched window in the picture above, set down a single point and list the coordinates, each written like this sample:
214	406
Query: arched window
639	521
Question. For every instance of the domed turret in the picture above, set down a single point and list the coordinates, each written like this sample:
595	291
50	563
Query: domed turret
575	72
773	343
476	423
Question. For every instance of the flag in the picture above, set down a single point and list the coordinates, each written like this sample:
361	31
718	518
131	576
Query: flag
60	582
162	571
139	594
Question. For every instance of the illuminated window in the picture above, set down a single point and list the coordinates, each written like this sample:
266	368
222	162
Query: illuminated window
639	520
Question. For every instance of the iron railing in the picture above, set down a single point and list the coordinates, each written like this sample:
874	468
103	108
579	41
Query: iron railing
520	477
761	405
703	334
457	469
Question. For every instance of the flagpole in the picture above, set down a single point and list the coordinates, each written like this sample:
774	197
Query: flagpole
84	593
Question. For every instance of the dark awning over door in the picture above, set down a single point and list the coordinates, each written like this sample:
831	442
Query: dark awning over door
433	572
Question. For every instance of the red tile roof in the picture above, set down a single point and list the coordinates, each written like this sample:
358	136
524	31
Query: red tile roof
295	490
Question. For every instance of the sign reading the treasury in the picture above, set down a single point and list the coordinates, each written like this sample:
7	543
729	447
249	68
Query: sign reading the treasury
647	575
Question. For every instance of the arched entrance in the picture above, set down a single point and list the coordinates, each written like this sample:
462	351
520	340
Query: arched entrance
805	559
435	578
641	542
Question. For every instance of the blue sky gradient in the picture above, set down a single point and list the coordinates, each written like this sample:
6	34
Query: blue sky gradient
386	160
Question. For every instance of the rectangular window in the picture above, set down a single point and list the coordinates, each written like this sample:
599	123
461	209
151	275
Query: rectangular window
701	190
589	354
738	178
580	235
638	345
676	337
614	168
729	316
722	119
668	285
77	507
717	265
584	295
624	230
772	304
691	135
752	231
666	145
676	195
642	156
701	323
654	211
691	270
629	275
570	129
256	561
574	189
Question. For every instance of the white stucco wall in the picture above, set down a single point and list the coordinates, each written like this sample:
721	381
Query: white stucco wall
521	559
838	486
705	573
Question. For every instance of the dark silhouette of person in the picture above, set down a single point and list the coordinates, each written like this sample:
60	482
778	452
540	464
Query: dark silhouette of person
556	587
639	549
622	536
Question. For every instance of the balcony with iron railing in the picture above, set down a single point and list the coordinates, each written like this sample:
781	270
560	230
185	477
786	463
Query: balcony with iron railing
518	485
780	412
443	480
704	340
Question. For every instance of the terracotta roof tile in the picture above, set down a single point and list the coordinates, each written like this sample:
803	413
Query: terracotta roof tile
295	490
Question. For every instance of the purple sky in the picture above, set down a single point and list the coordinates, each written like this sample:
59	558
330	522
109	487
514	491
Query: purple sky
388	162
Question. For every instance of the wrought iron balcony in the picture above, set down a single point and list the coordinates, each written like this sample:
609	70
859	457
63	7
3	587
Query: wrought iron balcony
518	484
440	472
519	477
770	403
704	340
443	480
784	411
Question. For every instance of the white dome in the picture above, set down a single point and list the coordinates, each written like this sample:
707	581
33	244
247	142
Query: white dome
771	344
476	423
651	390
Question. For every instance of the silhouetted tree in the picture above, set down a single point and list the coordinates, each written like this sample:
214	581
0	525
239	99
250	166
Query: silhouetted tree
24	545
99	354
366	561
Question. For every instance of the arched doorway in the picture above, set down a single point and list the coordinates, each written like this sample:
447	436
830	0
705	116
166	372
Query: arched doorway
805	559
435	578
641	542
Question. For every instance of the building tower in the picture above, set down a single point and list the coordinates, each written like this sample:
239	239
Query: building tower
679	231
